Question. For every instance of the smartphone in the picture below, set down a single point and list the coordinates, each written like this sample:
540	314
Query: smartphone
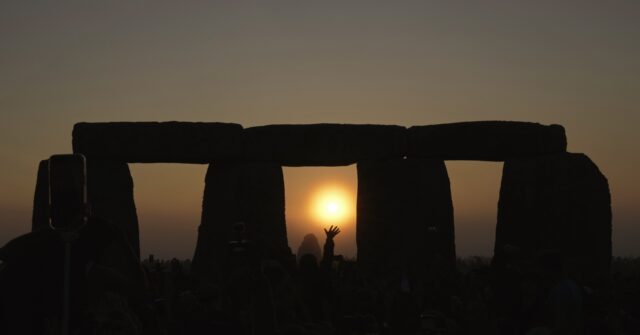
67	191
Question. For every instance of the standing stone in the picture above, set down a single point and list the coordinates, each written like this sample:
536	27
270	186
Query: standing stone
40	214
264	206
220	209
562	203
405	217
110	195
252	193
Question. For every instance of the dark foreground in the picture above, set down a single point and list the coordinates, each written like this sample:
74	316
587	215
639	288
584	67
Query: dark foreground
330	297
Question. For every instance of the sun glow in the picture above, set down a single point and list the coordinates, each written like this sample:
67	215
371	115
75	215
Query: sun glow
332	205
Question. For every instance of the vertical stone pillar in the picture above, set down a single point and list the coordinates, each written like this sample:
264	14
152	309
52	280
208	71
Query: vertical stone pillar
40	214
221	207
558	202
405	217
252	193
264	206
110	194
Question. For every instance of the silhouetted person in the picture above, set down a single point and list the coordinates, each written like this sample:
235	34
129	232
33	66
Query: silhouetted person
329	246
101	261
309	245
314	282
31	283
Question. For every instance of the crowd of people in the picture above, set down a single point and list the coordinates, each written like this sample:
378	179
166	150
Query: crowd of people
314	292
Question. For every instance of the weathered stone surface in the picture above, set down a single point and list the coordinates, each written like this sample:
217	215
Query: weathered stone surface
40	214
110	195
324	144
558	202
252	193
154	142
405	217
485	140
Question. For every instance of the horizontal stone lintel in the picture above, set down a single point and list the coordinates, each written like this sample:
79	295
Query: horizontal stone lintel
313	144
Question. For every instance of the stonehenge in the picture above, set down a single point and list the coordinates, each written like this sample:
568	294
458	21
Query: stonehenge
158	142
324	144
557	202
251	193
313	144
549	198
485	140
405	203
110	195
40	214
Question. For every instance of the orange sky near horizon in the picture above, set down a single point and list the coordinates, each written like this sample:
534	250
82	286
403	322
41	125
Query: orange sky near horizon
169	211
290	62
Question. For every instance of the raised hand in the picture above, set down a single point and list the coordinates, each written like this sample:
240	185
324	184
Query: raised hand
332	232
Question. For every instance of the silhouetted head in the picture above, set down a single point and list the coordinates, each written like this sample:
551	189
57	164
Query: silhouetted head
311	246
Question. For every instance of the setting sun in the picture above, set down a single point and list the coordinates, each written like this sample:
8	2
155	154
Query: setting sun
332	204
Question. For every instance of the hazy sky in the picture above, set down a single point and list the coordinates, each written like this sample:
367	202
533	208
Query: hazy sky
576	63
